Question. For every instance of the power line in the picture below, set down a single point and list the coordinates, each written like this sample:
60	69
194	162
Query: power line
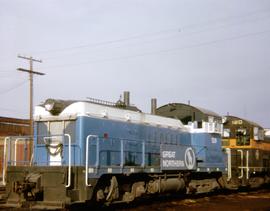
108	42
14	87
164	31
6	71
214	21
174	36
218	41
8	109
6	77
7	74
160	32
165	50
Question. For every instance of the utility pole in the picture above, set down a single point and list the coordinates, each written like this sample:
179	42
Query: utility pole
31	72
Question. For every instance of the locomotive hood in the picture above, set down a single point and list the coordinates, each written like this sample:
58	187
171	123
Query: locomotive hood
52	109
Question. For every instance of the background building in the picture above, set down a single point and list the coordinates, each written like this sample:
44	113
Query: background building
11	127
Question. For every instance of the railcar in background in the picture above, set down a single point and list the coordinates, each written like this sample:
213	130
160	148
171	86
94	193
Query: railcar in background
249	151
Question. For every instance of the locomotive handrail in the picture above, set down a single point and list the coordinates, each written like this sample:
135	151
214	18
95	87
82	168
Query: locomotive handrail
69	155
4	161
16	141
87	155
247	164
245	167
228	151
242	157
122	154
69	160
17	138
8	154
143	154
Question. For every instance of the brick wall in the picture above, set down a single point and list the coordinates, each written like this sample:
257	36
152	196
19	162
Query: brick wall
14	127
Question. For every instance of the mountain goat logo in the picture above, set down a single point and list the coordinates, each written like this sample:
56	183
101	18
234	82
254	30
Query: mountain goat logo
189	158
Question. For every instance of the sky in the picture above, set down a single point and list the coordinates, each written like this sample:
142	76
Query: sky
214	54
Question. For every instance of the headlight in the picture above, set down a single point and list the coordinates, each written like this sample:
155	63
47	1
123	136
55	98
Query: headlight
49	104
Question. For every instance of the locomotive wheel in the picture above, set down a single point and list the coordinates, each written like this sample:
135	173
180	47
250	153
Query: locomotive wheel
113	190
109	192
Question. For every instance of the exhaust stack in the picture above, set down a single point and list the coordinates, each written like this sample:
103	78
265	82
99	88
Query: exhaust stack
126	98
153	105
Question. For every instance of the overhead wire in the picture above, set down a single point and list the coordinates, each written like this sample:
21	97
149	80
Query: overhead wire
108	42
4	72
168	31
14	87
8	109
7	70
7	74
164	31
171	37
164	50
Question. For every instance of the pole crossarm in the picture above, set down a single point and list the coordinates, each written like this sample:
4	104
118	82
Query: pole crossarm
29	71
30	58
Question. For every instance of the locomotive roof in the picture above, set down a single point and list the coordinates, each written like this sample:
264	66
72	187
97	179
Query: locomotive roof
86	108
233	120
186	112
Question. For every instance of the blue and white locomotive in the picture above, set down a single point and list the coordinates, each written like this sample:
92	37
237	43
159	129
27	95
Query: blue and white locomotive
87	152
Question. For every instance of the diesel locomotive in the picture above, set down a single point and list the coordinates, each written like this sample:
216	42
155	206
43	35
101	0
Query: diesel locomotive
249	151
93	151
87	152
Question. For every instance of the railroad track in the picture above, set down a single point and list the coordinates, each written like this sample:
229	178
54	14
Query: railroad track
223	201
229	200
